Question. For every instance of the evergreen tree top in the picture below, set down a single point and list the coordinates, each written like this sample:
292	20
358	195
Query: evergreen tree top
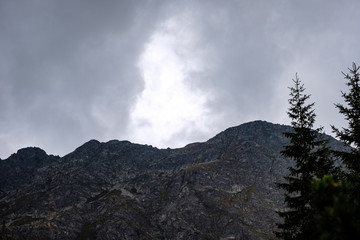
302	115
351	111
350	135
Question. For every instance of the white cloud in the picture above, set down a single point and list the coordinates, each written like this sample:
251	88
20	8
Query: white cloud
168	106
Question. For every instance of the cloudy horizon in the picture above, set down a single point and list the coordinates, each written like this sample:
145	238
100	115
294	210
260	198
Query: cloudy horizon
165	73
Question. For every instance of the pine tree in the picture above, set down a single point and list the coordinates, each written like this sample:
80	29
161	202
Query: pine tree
310	155
351	135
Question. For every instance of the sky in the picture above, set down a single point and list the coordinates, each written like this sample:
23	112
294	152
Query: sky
163	72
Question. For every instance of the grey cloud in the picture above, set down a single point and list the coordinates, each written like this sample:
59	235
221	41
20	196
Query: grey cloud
259	46
246	61
61	59
68	68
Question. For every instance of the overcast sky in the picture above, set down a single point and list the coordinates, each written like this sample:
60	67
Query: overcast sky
165	73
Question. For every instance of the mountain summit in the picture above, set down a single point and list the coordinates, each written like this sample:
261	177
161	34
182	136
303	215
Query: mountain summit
220	189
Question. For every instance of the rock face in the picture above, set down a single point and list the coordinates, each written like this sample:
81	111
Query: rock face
220	189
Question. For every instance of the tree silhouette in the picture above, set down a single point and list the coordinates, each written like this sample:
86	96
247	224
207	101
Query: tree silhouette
351	135
311	158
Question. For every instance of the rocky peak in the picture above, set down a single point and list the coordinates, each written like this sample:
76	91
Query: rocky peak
88	148
28	154
23	167
252	131
220	189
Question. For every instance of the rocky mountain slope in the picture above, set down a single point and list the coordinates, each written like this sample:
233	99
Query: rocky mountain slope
220	189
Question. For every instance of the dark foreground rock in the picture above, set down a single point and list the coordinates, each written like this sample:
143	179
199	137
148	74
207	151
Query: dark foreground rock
220	189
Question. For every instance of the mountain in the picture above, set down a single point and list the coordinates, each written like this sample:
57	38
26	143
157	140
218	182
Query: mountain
220	189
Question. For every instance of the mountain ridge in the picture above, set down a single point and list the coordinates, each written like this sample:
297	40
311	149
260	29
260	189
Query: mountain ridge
219	189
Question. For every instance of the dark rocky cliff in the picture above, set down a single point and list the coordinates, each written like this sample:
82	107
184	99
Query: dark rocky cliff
220	189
